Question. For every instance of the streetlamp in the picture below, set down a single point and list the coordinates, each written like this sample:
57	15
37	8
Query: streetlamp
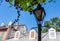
39	14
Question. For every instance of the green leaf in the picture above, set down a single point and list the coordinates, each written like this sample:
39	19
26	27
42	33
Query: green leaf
30	0
44	1
10	1
39	1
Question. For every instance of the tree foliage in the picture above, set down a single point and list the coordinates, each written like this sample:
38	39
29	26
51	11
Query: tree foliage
54	20
54	23
27	5
44	30
47	23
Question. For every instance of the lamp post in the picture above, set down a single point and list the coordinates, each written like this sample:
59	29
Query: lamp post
39	14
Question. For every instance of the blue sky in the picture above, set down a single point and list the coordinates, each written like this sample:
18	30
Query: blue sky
9	14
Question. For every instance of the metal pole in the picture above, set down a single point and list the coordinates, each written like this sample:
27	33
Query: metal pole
39	32
39	28
39	20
